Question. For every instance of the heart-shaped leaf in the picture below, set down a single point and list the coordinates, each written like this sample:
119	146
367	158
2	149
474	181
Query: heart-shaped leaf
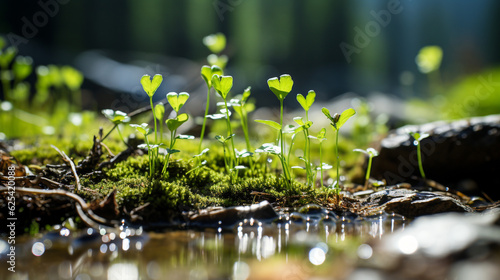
207	72
269	148
116	117
215	42
246	94
281	87
272	124
150	86
219	60
418	136
177	100
159	111
222	84
141	128
347	114
173	124
306	102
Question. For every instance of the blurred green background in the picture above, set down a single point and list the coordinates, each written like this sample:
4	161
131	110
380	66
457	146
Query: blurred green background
268	38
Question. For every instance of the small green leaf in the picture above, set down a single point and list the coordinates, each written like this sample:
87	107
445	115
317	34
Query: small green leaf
240	167
299	120
418	136
311	96
347	114
177	100
246	94
429	59
269	148
202	152
171	151
326	112
150	86
72	77
159	111
372	152
22	67
272	124
116	117
142	128
218	60
207	72
306	102
281	87
222	84
173	124
215	42
321	134
186	137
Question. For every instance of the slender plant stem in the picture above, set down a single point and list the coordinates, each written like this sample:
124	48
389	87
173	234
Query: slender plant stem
153	151
233	161
120	133
284	164
244	126
367	177
338	162
109	132
150	159
171	147
207	108
321	163
420	166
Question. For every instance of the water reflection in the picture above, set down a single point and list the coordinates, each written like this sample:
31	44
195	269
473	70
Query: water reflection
309	240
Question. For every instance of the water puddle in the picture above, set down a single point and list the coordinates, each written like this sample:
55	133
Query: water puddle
300	245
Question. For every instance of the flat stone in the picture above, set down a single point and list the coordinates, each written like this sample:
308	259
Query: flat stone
463	154
411	203
227	217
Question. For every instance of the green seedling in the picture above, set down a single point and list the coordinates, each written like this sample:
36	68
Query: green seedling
145	130
117	118
227	162
159	113
281	87
222	85
306	103
206	73
217	60
419	137
176	101
371	153
322	166
216	43
150	86
73	79
302	126
337	121
428	61
242	108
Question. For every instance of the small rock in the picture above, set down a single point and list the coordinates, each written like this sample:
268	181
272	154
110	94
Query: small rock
457	154
227	217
